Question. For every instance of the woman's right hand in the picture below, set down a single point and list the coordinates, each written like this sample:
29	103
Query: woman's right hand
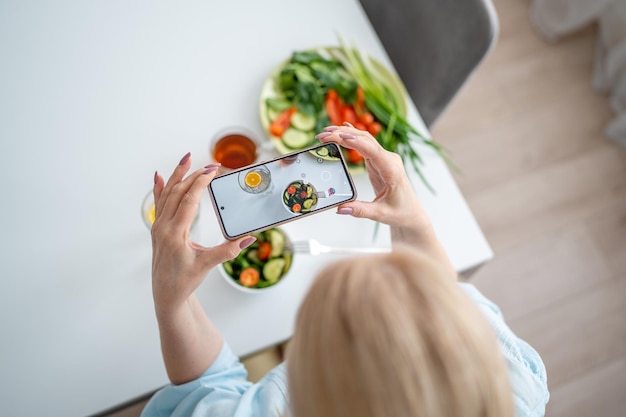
396	203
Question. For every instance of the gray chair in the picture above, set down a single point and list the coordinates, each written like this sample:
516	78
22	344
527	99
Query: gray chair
434	45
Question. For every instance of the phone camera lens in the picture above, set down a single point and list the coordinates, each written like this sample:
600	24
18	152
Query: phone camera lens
222	208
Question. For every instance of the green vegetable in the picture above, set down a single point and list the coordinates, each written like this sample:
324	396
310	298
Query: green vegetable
273	269
307	78
302	121
296	139
277	241
398	134
279	261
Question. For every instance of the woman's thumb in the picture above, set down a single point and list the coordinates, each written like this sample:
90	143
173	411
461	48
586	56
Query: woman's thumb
227	250
359	209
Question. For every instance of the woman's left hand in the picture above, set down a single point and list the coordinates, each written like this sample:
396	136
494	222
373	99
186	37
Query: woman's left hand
178	264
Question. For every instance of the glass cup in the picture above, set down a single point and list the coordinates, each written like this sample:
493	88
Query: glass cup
235	147
148	211
255	180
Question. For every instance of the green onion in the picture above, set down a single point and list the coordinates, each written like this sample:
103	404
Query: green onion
398	135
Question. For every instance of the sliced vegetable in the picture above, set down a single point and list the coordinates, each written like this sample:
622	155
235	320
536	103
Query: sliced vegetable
282	122
354	157
249	277
277	240
302	121
296	139
264	251
273	269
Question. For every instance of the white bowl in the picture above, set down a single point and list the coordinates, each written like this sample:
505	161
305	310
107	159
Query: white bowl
286	249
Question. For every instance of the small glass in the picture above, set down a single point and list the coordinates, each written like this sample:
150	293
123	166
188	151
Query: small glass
235	147
255	180
148	211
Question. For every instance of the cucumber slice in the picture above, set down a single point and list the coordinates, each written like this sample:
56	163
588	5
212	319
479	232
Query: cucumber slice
277	240
322	151
272	114
278	104
296	139
302	121
274	269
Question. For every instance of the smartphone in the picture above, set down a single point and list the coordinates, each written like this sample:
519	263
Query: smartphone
290	187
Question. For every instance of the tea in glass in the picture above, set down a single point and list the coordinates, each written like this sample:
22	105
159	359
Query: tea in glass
234	150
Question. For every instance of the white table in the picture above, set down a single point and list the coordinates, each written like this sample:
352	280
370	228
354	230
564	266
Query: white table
96	95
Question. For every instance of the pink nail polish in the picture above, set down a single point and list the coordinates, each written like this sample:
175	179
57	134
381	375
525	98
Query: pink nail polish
331	128
347	124
345	210
323	135
156	176
211	169
213	165
247	242
185	158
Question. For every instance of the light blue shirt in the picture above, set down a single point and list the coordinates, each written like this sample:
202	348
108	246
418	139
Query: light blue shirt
223	390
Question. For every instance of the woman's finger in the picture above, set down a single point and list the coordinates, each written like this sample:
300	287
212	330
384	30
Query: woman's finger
178	193
177	176
225	251
379	161
190	200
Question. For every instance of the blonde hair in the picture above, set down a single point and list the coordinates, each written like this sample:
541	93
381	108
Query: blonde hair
394	335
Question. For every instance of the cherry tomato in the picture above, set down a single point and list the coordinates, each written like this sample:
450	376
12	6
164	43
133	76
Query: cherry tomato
291	190
366	118
249	277
302	194
296	208
264	251
354	157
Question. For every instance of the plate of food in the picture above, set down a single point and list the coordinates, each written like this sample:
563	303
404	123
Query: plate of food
329	86
262	265
300	197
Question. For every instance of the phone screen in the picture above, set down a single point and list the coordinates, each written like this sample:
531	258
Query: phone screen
271	193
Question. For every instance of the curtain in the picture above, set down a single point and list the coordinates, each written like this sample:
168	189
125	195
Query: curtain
556	18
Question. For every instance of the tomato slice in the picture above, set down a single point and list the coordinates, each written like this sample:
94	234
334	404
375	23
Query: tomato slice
264	251
282	121
249	277
296	208
354	157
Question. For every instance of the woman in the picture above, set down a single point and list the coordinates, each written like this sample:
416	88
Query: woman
391	335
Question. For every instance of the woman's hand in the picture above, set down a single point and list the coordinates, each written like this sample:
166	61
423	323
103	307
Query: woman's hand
396	203
179	265
189	341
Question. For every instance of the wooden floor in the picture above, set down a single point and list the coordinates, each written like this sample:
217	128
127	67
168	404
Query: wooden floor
549	191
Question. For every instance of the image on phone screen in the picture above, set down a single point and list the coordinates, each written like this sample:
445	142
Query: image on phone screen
281	190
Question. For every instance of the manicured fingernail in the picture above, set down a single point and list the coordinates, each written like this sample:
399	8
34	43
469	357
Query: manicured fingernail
345	210
323	135
156	176
185	159
247	242
331	128
217	165
211	169
347	136
347	124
